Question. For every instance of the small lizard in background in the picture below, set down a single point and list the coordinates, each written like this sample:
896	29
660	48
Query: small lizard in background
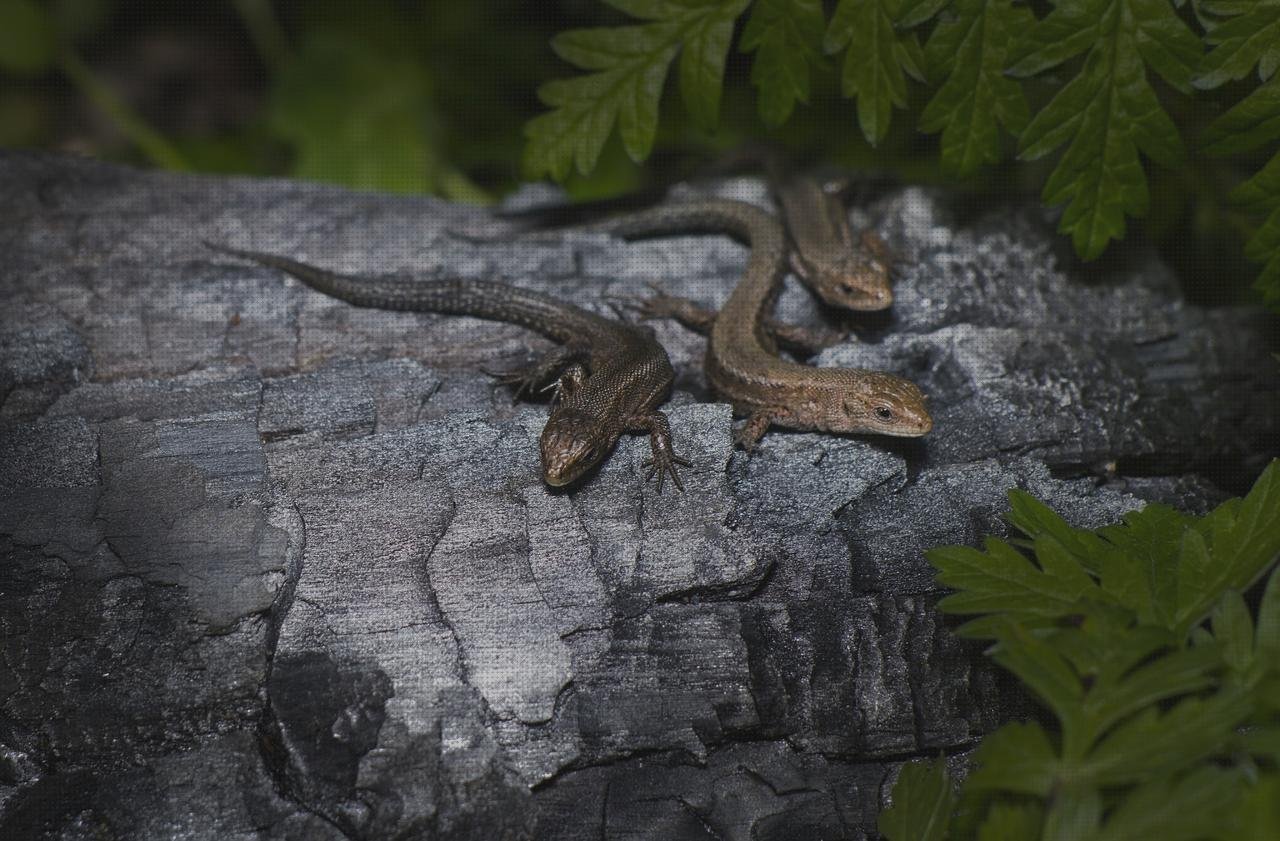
742	361
612	375
845	271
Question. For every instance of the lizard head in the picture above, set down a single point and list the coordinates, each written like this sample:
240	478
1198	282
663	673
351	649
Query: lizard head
572	443
884	405
849	279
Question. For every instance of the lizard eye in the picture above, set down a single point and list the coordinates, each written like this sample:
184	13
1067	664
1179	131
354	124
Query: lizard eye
884	413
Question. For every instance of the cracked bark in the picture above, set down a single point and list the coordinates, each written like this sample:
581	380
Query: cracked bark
239	600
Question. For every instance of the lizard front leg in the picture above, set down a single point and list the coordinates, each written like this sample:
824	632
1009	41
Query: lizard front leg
529	377
571	379
760	420
664	459
699	318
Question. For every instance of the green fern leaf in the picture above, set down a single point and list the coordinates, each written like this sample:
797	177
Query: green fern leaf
877	60
1108	113
1251	122
976	95
1244	543
1250	35
786	36
631	65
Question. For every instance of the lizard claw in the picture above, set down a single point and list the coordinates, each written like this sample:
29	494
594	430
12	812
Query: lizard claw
620	307
665	463
519	378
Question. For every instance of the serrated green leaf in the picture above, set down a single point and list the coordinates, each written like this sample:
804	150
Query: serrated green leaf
1233	629
1165	42
1251	37
1262	191
1108	113
786	36
1002	579
1012	822
876	61
1250	123
1141	574
1069	30
1106	645
922	803
1150	744
1044	671
1187	808
702	57
631	64
1176	673
1194	570
1243	548
26	38
976	96
1017	758
1034	519
603	48
1149	712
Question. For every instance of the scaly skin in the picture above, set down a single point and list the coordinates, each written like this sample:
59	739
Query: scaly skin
612	375
847	272
742	362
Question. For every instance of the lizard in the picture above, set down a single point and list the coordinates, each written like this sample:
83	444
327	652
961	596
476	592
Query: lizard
845	271
742	362
612	375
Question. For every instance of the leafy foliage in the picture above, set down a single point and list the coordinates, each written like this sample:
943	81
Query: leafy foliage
1168	727
630	65
878	58
1104	117
428	96
1108	112
1248	34
786	36
973	49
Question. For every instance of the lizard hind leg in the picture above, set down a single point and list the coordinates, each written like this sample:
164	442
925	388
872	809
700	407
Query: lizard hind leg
688	312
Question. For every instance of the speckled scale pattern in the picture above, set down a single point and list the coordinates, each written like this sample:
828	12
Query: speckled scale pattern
629	372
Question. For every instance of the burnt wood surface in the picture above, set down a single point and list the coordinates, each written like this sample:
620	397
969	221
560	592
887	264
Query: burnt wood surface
276	567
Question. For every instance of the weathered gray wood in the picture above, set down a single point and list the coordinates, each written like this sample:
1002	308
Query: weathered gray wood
275	567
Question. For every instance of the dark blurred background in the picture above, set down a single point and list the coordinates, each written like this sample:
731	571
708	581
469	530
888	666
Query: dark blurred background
431	96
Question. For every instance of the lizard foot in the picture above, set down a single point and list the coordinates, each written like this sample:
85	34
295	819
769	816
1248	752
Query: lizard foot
664	463
664	459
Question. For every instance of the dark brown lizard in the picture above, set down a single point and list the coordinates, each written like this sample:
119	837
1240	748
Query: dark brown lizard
612	375
742	361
